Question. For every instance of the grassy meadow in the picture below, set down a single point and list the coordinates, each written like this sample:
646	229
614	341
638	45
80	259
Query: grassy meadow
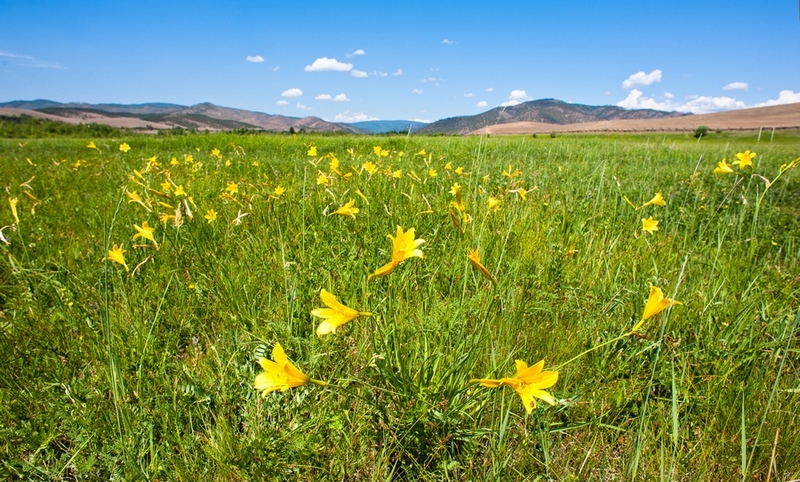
145	371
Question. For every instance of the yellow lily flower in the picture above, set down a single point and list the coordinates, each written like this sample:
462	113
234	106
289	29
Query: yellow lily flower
658	200
211	216
12	201
279	190
312	151
723	167
744	159
117	255
528	383
145	231
656	303
232	188
124	147
475	259
92	146
335	315
649	225
404	246
280	374
348	209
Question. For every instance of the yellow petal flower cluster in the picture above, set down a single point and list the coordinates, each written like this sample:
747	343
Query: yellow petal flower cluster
335	315
475	259
404	246
348	209
528	382
117	255
723	167
744	159
280	374
649	225
656	303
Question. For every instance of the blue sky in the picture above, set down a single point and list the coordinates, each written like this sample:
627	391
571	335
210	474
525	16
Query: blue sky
362	60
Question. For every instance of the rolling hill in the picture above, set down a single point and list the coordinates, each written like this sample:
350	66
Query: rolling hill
155	116
546	111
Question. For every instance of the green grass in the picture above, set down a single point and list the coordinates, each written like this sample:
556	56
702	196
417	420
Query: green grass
149	374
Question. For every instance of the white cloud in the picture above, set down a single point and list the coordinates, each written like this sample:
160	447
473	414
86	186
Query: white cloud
416	91
430	79
292	93
255	59
28	61
348	116
277	68
696	104
737	86
784	97
482	103
323	64
282	102
427	121
358	73
668	95
338	98
641	79
381	74
469	94
397	72
490	89
448	42
516	97
359	52
302	107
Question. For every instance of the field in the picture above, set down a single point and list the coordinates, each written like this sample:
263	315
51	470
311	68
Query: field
146	370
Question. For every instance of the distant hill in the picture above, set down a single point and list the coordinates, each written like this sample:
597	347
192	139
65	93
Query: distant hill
204	116
547	111
384	126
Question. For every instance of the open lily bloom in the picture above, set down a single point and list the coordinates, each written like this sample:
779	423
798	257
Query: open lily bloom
528	383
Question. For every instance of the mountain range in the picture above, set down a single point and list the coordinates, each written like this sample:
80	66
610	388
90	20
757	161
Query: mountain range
543	115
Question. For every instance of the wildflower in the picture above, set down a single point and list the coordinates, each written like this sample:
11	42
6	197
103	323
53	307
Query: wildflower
744	159
475	259
348	209
432	173
179	191
165	218
459	170
649	225
656	303
124	147
134	197
118	256
215	153
404	246
189	159
397	174
232	188
211	216
658	200
448	166
528	383
335	315
312	151
455	189
493	203
723	167
92	146
280	374
145	231
13	203
322	179
370	168
166	186
279	190
174	161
